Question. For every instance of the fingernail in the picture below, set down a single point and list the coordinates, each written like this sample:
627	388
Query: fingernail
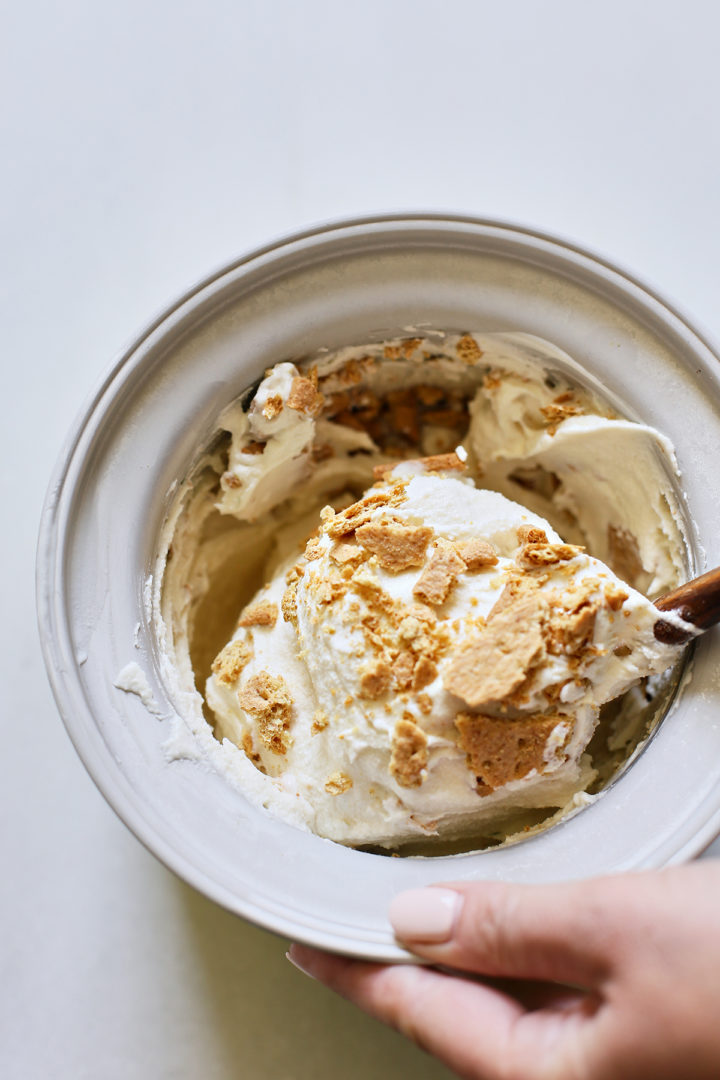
425	915
297	959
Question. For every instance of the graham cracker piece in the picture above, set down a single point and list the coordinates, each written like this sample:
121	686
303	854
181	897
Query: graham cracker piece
424	672
434	463
402	670
273	407
347	554
440	573
288	604
326	588
253	448
231	660
476	554
532	554
320	722
531	534
268	698
397	547
375	680
263	613
231	480
409	753
572	615
424	703
615	597
468	349
493	662
500	749
560	409
337	783
336	526
304	396
314	549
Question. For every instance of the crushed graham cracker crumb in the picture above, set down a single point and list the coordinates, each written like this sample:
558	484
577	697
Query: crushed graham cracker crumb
345	553
268	698
424	703
336	526
424	673
288	605
249	747
532	555
531	534
409	753
337	783
231	480
500	749
314	549
263	613
402	670
304	396
320	722
231	660
493	662
375	680
440	573
468	349
273	407
476	554
615	597
396	547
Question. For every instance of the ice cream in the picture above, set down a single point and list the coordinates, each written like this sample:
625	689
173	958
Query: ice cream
432	661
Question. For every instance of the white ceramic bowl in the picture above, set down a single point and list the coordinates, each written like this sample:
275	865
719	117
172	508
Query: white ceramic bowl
139	434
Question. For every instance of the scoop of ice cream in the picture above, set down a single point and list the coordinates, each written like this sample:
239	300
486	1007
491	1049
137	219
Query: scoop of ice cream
437	656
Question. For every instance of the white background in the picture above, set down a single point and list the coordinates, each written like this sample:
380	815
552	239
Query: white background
144	144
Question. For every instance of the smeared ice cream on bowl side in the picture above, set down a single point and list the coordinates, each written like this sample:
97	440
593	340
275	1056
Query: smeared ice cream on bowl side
405	601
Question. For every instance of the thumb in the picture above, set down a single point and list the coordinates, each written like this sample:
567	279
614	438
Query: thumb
571	932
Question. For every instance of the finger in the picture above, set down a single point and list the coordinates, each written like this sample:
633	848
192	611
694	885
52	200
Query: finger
473	1028
569	933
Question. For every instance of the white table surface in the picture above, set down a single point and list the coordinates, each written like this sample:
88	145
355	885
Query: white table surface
145	144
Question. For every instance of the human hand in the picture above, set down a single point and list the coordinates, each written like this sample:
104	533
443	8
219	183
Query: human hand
615	978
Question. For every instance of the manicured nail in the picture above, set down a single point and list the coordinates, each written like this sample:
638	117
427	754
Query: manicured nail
297	959
425	915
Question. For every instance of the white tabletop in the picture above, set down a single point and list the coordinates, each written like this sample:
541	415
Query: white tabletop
145	145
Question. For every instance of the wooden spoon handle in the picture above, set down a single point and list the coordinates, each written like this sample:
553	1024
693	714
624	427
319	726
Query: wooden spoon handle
698	603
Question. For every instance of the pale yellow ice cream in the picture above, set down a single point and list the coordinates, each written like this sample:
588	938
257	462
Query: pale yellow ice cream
431	662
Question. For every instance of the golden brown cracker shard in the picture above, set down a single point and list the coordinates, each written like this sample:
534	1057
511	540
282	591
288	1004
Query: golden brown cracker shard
532	555
314	549
325	588
345	553
249	748
336	526
229	663
493	662
267	698
500	749
337	783
273	407
289	604
440	573
476	554
375	680
263	613
320	722
558	410
396	547
468	349
424	672
409	753
435	463
531	534
615	597
304	396
402	670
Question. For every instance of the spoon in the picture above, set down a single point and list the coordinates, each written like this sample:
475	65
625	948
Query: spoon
697	603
